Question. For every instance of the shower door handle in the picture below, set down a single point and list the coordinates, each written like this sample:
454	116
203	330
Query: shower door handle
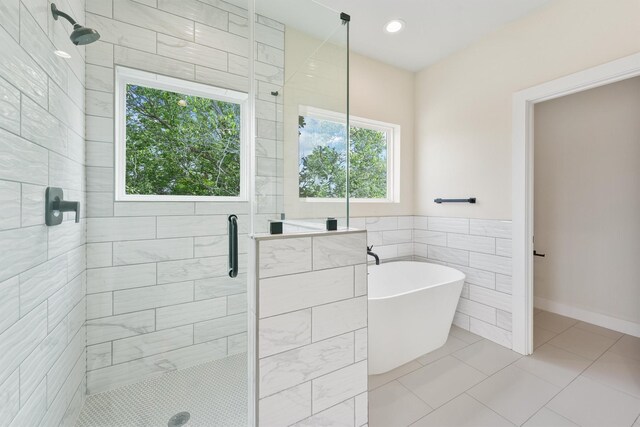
233	246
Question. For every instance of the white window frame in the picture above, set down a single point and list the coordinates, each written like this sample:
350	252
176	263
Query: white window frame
126	76
393	153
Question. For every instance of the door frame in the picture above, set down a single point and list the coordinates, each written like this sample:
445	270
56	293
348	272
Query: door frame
523	180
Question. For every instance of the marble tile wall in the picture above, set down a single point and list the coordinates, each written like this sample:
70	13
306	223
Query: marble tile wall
312	330
42	269
480	248
159	297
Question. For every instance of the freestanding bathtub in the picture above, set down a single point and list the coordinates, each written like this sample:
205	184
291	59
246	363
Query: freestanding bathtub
411	308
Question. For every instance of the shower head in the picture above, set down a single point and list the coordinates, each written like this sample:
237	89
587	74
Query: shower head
80	35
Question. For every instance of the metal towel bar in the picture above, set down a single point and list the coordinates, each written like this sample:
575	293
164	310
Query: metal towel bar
469	200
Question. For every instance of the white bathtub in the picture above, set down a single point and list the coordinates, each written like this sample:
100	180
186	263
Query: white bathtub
411	307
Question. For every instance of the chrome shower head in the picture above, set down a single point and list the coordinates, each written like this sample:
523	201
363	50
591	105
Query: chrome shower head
80	35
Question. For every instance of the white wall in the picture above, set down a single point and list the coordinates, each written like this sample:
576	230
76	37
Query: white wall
587	183
463	103
42	269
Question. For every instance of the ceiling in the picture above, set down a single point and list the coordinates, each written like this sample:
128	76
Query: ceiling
434	28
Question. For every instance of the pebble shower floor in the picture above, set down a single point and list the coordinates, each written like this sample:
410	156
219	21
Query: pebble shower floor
215	394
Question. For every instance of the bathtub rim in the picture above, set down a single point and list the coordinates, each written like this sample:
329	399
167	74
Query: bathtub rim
462	277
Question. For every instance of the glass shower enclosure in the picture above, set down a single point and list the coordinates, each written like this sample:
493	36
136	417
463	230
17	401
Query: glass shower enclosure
170	339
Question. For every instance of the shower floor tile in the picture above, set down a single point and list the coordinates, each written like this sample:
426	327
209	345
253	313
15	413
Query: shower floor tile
214	393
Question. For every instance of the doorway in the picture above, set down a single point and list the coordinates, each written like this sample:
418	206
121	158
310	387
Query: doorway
523	181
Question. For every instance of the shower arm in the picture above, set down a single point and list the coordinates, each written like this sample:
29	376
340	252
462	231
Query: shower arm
55	12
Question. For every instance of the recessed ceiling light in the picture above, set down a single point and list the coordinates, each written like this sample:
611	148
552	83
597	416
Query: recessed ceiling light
62	54
394	26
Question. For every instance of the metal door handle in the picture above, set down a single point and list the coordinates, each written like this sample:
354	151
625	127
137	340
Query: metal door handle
233	246
537	254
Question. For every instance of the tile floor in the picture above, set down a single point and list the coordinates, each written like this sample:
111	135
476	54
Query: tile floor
214	393
579	375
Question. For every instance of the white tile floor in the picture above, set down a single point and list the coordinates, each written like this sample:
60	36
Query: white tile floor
579	375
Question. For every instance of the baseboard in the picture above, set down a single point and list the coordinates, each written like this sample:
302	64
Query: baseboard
624	326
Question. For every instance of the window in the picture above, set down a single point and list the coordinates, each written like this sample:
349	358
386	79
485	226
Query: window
178	140
322	157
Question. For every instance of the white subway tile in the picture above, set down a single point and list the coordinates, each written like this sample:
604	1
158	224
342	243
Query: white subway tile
220	286
99	103
101	53
32	202
101	79
115	229
22	161
338	318
362	409
59	399
405	222
435	238
490	332
65	237
284	332
10	17
22	71
491	227
490	297
60	304
269	36
35	367
153	63
100	204
239	25
474	276
503	283
117	278
504	320
120	33
32	409
131	372
99	255
63	107
197	11
100	129
293	367
471	243
143	251
222	40
222	79
449	225
59	373
145	345
9	302
493	263
208	246
219	328
194	269
341	415
10	200
339	250
39	283
294	292
152	19
98	356
188	226
237	303
270	55
192	312
361	279
99	305
10	392
420	223
22	249
42	128
100	7
477	310
455	256
338	386
384	223
396	237
284	256
130	300
287	407
503	247
186	51
461	320
122	326
361	344
237	344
